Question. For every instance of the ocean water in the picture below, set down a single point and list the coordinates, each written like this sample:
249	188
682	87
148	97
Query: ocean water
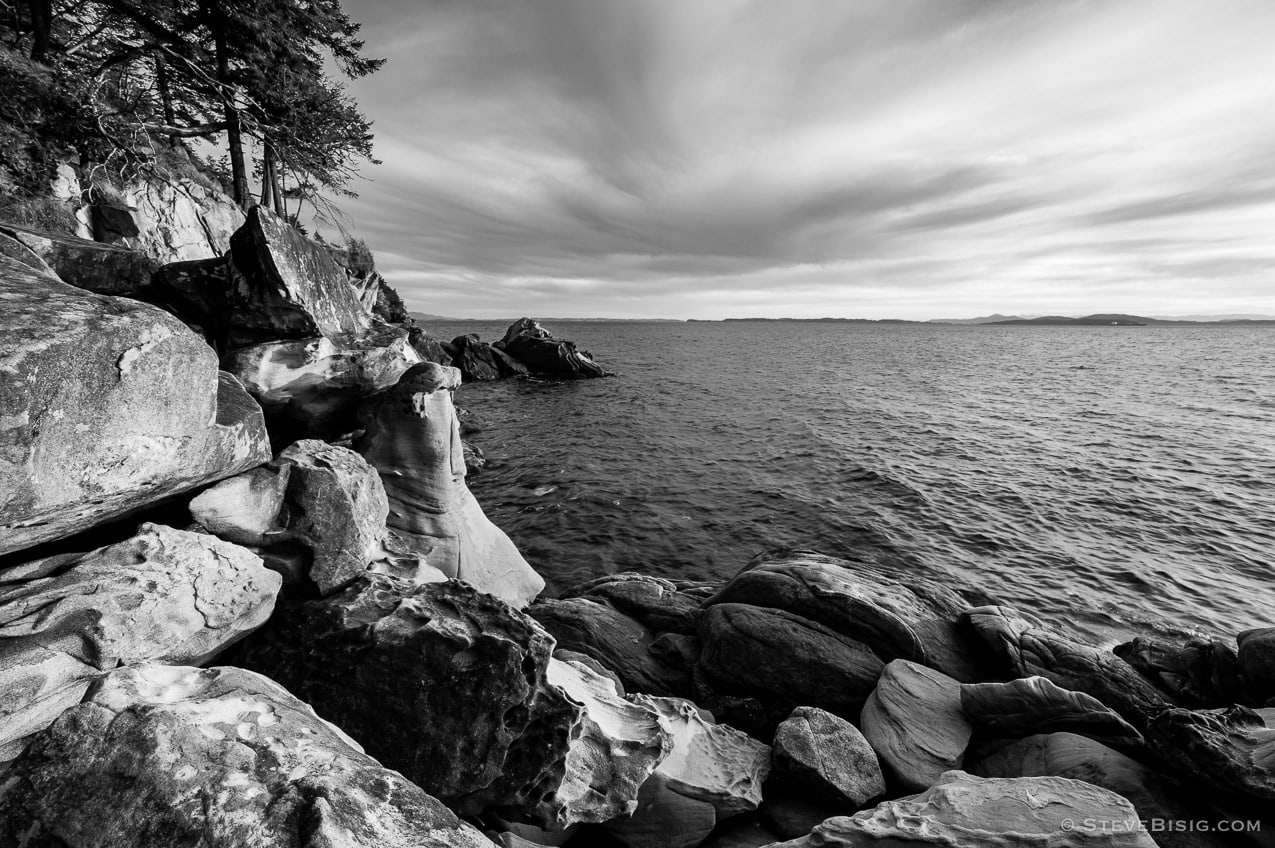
1113	481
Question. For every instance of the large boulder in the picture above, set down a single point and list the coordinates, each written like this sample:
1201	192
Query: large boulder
619	643
1026	649
428	348
1032	705
245	509
474	358
616	747
963	811
440	682
86	264
285	286
1257	662
653	602
179	219
412	438
164	595
914	721
915	621
109	406
1200	673
312	388
1230	750
537	349
160	756
784	661
826	758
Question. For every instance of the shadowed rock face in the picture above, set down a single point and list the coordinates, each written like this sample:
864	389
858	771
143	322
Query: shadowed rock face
109	406
1199	673
1230	750
161	756
165	595
86	264
412	438
537	349
1033	705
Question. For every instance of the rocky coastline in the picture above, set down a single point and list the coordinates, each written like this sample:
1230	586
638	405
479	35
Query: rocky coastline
247	599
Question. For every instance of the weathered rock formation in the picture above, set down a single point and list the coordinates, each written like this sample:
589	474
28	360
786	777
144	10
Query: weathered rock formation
474	358
1032	705
160	756
109	406
412	438
653	602
165	595
1229	750
914	721
826	757
245	509
1257	662
1199	673
963	811
537	349
88	265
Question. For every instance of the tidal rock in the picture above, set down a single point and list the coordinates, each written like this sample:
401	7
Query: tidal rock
509	367
917	621
413	440
312	388
1025	649
475	461
616	747
914	721
653	602
663	819
1257	662
1032	705
784	660
1200	673
441	682
709	762
288	287
86	264
164	595
602	632
337	507
1069	755
246	508
474	358
109	406
963	811
537	349
160	756
1228	750
826	757
428	348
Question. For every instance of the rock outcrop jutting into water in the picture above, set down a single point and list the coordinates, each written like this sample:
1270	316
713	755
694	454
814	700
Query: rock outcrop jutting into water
379	669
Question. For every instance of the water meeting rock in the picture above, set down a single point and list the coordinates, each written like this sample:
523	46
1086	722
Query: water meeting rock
109	406
653	602
164	595
158	756
826	757
537	349
1201	673
914	721
1231	750
963	811
475	359
412	438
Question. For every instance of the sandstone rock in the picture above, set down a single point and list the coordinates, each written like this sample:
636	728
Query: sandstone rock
663	819
440	682
312	388
709	762
338	507
600	631
1228	750
164	595
1200	673
179	219
413	440
961	810
474	358
784	660
86	264
615	749
1025	649
917	621
428	348
1079	758
1257	662
160	756
533	346
246	508
653	602
288	287
827	757
1033	705
109	406
914	722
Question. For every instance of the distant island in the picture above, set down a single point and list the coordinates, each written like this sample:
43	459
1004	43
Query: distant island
1096	320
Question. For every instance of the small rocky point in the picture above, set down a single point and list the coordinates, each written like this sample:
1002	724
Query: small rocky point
247	599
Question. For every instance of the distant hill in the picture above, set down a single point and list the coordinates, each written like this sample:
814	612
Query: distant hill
1121	320
986	319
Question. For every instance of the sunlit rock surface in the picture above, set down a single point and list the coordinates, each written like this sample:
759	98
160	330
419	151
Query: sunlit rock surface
915	723
826	757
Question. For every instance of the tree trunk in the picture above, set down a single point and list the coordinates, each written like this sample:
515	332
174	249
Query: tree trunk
234	128
275	185
41	27
165	94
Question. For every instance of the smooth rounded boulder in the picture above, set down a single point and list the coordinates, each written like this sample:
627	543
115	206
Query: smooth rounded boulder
110	405
914	721
821	755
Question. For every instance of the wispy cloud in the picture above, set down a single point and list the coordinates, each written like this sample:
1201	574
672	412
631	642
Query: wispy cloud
883	157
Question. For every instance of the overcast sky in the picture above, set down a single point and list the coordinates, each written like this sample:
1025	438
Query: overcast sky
806	158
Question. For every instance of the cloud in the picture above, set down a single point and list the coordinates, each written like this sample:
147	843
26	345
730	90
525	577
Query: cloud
881	158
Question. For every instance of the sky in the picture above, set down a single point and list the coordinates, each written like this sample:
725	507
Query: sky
809	158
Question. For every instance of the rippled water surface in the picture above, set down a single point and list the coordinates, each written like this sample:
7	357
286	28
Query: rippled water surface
1116	480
